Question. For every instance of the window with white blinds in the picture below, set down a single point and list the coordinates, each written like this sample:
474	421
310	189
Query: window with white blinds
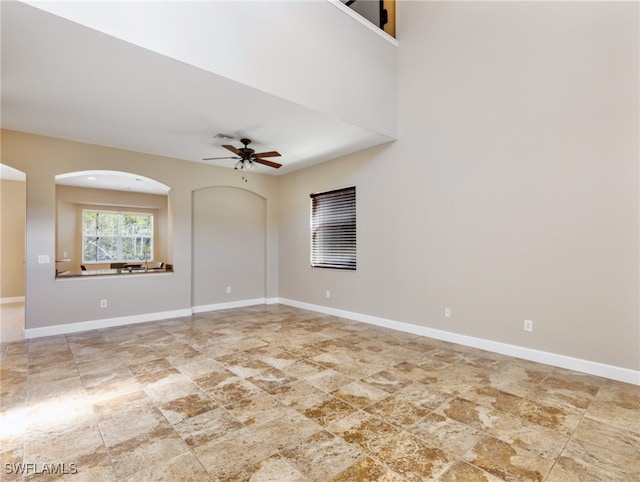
333	229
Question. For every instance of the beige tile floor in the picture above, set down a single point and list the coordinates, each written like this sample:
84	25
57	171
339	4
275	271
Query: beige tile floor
282	394
11	322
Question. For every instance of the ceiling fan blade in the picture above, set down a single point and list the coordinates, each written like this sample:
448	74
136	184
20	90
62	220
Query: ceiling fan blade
232	149
267	163
267	154
217	158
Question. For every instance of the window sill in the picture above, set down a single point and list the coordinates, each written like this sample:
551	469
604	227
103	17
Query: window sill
98	273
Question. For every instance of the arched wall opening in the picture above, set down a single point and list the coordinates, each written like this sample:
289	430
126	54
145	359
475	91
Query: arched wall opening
114	192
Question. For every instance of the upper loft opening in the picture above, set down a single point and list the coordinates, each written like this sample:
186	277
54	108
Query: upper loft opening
381	13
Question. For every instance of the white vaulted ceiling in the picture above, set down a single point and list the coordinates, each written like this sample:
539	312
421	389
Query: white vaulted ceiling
66	80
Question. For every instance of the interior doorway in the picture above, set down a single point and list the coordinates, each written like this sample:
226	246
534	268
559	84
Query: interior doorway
13	208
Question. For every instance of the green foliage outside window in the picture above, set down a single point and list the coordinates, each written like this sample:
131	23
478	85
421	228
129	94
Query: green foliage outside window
111	236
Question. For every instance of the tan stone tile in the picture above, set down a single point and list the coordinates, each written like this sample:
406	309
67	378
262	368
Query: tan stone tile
545	442
214	377
84	468
12	459
414	459
302	368
322	456
485	361
274	468
423	396
358	369
154	366
195	365
187	406
450	435
455	379
463	472
207	427
397	411
519	417
387	381
232	454
563	419
470	413
114	389
271	380
367	470
617	404
53	373
363	430
508	462
66	445
95	377
492	397
57	413
274	356
159	378
242	364
258	408
330	359
287	431
328	380
328	409
623	445
360	394
133	417
408	370
146	450
181	467
232	389
136	354
70	387
564	391
13	424
299	395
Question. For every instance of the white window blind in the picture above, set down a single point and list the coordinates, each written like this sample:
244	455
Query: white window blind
333	229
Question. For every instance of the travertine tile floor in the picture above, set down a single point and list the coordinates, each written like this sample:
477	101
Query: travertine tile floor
282	394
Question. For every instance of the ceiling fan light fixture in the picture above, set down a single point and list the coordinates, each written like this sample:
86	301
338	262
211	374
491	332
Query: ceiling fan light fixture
246	157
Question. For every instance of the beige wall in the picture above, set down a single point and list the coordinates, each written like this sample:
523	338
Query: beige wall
512	190
229	240
51	302
12	238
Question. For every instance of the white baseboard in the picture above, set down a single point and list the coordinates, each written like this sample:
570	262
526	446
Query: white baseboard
15	299
585	366
100	324
228	305
130	320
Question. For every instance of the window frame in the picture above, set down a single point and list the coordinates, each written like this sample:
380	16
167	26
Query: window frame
333	229
119	236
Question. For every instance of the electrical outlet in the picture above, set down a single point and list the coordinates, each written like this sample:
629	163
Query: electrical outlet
328	294
103	303
447	312
228	290
528	325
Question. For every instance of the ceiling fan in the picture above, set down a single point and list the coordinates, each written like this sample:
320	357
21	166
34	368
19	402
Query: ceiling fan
247	156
